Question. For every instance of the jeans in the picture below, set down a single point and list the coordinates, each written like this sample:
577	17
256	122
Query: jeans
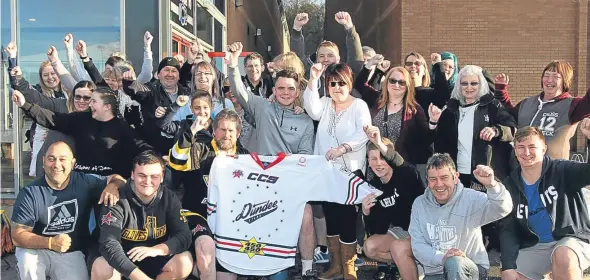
460	268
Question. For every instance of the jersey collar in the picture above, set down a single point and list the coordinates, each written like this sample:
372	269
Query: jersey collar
280	157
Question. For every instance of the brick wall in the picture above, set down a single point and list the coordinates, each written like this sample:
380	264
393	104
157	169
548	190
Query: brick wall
515	37
263	14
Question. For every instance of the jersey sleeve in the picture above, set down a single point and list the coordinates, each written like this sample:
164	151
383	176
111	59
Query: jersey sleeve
111	227
24	208
213	196
335	183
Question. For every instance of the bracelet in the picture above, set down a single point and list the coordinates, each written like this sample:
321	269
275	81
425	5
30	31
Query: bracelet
433	123
49	246
83	57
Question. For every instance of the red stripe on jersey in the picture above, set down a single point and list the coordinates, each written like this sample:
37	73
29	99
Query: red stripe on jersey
228	244
280	157
287	252
352	188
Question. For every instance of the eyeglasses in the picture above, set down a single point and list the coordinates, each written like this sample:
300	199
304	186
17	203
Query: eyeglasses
203	74
473	84
410	63
399	82
340	84
82	97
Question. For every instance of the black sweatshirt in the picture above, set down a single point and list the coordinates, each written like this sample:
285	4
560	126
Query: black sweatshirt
394	206
102	148
131	223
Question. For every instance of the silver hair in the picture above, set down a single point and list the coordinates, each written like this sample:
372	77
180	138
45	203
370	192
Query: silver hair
469	70
440	161
367	50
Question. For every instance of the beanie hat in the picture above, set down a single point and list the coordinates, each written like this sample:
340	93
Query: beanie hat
169	61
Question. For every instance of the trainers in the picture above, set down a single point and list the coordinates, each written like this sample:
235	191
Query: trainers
320	257
310	275
359	261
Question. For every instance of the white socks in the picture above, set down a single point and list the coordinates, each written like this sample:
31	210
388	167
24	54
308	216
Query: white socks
307	265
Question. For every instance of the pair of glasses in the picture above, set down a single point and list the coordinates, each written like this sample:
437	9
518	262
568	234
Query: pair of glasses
473	84
399	82
340	84
416	63
80	97
225	89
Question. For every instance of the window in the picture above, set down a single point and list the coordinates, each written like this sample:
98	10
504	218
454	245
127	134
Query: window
220	4
218	36
204	25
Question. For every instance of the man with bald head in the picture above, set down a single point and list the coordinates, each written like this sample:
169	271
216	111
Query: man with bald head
50	217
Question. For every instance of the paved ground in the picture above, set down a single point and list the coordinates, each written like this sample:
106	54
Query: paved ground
365	273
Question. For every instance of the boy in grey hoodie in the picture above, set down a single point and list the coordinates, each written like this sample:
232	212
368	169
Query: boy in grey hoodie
446	221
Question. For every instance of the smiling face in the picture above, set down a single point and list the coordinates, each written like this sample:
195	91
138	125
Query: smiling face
449	67
530	150
396	85
49	77
285	91
202	109
441	183
379	165
415	67
204	78
327	55
470	87
82	97
148	179
552	83
58	163
254	68
226	134
98	108
168	76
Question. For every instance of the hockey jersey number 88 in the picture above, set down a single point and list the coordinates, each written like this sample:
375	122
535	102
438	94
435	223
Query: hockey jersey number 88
255	206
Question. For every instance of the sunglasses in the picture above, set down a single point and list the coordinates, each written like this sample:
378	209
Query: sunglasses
340	84
399	82
410	63
80	97
225	89
473	84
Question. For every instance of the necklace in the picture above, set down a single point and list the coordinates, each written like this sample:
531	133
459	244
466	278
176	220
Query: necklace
463	113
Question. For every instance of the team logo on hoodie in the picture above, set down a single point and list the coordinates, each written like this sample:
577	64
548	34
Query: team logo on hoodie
442	235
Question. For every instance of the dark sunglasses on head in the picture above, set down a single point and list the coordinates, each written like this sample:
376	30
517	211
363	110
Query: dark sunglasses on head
341	84
400	82
410	63
473	84
80	97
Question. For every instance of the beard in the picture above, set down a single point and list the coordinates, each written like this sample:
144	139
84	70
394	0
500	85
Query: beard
225	144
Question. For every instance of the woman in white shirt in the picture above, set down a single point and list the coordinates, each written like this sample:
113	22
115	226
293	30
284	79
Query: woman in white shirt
339	137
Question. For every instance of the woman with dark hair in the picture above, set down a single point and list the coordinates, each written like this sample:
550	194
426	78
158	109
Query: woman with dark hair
340	137
104	145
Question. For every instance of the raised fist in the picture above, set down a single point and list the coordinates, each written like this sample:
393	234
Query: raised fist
315	72
81	49
16	71
301	19
52	54
501	79
191	53
434	112
182	100
147	39
18	98
129	75
12	49
344	19
69	41
373	134
384	65
234	50
585	127
435	57
485	175
61	243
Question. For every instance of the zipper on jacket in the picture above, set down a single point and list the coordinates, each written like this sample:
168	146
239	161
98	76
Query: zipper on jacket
539	108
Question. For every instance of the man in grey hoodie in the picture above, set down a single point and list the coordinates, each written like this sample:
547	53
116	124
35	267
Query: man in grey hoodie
278	129
445	226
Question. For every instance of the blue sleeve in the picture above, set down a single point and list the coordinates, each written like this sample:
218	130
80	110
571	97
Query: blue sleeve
95	184
24	211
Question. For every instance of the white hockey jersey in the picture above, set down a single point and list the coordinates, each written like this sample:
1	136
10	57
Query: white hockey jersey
256	205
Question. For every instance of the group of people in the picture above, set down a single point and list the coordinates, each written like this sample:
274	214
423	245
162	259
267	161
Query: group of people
441	164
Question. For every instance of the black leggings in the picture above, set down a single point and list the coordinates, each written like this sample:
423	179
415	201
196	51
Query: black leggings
341	220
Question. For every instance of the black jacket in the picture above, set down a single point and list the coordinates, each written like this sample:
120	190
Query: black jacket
394	206
560	185
150	97
489	113
131	223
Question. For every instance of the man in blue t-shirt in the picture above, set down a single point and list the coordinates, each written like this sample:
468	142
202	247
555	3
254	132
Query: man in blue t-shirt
549	227
50	217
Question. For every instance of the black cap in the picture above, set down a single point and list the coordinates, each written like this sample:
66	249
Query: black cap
169	61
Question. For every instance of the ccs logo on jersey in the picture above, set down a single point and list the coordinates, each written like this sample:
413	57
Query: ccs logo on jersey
252	247
262	178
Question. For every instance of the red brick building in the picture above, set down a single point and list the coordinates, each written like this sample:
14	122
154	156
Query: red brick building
515	37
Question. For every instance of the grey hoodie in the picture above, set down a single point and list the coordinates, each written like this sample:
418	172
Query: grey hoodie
436	228
277	129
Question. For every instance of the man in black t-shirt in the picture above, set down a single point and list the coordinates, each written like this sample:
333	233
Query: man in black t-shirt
50	217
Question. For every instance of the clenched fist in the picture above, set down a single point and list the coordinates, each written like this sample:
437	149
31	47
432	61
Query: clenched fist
81	49
434	112
300	20
52	54
69	41
344	19
375	60
147	39
435	58
61	243
182	100
384	65
485	175
316	71
129	75
12	49
585	127
501	79
234	50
